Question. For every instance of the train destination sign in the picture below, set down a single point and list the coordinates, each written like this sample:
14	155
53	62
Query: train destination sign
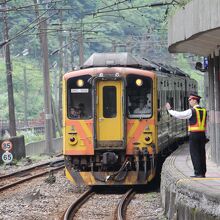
79	90
7	157
6	145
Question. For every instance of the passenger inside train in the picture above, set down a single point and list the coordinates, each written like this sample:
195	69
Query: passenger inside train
78	112
74	113
140	106
143	108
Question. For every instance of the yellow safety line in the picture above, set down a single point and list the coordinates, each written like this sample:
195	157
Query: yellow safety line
196	179
207	178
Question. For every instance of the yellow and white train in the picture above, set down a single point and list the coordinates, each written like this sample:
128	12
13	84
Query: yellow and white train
115	124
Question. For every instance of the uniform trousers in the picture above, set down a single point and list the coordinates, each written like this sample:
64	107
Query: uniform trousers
197	152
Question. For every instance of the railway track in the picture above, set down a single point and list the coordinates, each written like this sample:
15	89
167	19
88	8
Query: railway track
15	178
120	211
73	208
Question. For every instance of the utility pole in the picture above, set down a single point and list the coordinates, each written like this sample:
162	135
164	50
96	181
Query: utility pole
12	123
71	50
65	54
47	95
25	97
113	46
60	74
81	48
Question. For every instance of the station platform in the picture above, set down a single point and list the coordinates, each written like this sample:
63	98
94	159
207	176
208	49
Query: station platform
184	197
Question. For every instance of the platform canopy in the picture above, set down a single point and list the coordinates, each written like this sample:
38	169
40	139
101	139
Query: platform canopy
195	28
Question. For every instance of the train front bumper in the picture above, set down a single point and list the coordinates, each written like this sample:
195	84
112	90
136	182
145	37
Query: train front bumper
109	178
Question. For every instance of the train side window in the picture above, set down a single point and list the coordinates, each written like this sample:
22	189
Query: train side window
158	110
109	101
186	103
171	101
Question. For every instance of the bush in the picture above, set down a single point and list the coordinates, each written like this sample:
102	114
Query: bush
30	136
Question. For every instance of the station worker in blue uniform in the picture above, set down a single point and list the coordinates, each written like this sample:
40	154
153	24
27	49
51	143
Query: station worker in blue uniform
196	127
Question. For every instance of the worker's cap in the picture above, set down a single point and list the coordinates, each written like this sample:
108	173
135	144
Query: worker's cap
194	96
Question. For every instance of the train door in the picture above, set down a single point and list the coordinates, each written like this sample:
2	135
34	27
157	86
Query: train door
109	112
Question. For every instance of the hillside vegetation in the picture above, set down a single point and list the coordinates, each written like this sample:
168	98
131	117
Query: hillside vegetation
103	25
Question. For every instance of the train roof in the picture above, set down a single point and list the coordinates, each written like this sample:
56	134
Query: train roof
126	59
117	59
173	70
165	68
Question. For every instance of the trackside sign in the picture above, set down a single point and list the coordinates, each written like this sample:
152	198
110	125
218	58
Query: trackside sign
7	156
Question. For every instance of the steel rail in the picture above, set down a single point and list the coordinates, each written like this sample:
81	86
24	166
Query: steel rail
123	204
75	206
31	168
29	178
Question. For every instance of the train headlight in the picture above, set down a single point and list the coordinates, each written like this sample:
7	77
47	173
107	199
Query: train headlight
139	82
73	140
148	139
80	83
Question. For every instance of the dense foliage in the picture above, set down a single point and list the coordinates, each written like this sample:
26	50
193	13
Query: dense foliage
106	25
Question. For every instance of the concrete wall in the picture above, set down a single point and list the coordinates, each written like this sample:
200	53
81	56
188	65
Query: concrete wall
37	148
214	107
183	198
20	150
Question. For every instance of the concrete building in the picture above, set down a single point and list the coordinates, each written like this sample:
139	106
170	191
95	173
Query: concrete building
196	29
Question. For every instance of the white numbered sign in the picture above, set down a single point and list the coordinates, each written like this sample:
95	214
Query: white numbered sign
6	145
7	157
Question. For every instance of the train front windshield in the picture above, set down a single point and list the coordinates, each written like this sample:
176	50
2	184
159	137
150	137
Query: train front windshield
79	98
139	96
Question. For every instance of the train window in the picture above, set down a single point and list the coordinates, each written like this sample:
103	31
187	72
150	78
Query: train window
170	98
181	100
171	101
158	110
109	101
139	97
186	103
79	98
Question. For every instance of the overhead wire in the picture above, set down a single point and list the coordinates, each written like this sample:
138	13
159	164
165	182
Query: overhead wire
28	27
119	14
2	3
158	4
115	4
31	26
21	8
